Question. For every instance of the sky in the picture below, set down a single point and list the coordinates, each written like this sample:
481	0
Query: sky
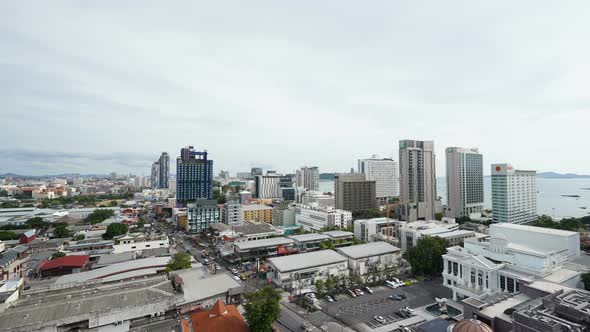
95	87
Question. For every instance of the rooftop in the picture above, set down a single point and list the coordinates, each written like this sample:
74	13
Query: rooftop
309	237
455	233
532	229
67	261
255	207
500	304
368	250
198	284
219	318
271	242
338	234
306	260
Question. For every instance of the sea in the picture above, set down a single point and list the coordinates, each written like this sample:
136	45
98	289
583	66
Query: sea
550	199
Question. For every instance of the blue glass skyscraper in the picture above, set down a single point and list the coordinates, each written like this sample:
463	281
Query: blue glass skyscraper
194	176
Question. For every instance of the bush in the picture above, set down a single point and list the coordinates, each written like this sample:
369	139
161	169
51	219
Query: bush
99	215
115	229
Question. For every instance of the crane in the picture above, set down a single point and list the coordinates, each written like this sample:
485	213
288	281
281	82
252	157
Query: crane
387	209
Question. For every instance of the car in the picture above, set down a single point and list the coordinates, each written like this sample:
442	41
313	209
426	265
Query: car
329	298
368	290
395	297
359	292
409	310
217	267
351	293
236	278
380	319
206	261
391	284
243	277
310	295
234	271
402	313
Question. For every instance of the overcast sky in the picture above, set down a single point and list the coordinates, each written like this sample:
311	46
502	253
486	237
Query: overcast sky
104	86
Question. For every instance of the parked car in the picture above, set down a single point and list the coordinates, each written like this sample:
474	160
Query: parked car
391	284
237	278
402	313
409	310
380	319
206	261
217	267
351	293
329	298
395	297
359	292
235	271
368	290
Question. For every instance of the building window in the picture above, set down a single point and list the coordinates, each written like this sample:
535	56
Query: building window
502	283
479	279
510	285
455	269
473	277
449	264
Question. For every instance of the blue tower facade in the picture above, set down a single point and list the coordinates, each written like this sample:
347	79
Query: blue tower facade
194	176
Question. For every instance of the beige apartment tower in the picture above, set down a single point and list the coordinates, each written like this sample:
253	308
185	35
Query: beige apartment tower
417	180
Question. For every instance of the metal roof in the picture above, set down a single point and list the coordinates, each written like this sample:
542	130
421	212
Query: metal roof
309	237
306	260
271	242
368	250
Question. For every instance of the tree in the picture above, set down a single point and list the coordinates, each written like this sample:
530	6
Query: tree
115	229
99	215
586	281
37	223
113	203
330	284
7	235
180	261
426	257
262	309
9	205
79	237
320	287
3	193
368	214
438	216
218	195
326	245
300	231
61	231
58	254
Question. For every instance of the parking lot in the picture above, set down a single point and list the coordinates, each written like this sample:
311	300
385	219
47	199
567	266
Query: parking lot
363	309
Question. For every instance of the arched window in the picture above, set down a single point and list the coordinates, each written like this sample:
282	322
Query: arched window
473	277
480	279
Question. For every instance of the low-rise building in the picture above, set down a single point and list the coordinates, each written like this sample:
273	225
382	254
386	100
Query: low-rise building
512	255
63	265
372	256
283	215
257	213
201	213
232	214
303	270
340	238
374	229
309	242
139	241
313	218
221	317
271	247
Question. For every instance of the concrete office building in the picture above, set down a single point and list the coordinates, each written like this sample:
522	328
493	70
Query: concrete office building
155	175
464	182
368	257
283	216
314	218
417	180
510	256
160	172
316	197
353	192
201	213
385	173
268	186
308	178
194	176
232	213
514	194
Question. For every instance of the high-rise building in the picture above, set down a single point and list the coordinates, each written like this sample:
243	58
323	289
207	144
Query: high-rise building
417	180
268	186
255	171
308	178
164	173
194	176
353	192
201	213
155	175
464	182
514	194
386	175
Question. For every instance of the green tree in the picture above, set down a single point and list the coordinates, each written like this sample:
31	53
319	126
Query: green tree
426	257
300	231
9	205
330	284
320	287
58	254
37	223
115	229
586	281
78	237
438	216
99	215
180	261
61	231
113	203
570	224
218	195
8	235
3	193
262	309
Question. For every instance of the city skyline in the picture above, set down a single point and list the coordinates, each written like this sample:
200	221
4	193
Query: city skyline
101	98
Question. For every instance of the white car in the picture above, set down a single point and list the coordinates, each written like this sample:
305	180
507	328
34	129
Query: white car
234	271
380	319
391	284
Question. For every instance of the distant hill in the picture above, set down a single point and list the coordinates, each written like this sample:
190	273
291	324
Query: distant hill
326	176
12	175
553	175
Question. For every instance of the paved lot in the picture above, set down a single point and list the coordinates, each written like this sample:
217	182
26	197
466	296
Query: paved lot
363	309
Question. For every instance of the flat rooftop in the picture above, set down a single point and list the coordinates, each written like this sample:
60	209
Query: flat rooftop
497	309
306	260
368	250
533	229
455	233
271	242
255	207
309	237
339	234
198	284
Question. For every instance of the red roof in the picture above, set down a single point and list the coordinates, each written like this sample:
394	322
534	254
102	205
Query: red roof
220	318
68	261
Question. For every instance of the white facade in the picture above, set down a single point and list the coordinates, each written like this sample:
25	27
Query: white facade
315	218
268	186
408	233
135	242
512	254
232	214
321	199
303	270
514	194
375	229
385	173
374	256
417	180
464	182
308	178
